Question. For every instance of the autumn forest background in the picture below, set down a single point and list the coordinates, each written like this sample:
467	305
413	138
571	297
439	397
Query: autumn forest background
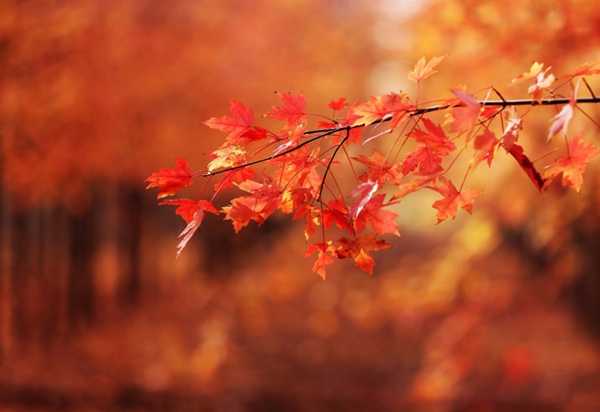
499	311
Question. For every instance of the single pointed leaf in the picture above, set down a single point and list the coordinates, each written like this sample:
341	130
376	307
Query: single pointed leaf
561	121
364	192
190	229
516	151
171	180
513	127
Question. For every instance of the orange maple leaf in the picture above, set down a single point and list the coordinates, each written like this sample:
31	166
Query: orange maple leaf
423	70
453	199
573	166
541	80
226	156
534	70
359	249
584	69
171	180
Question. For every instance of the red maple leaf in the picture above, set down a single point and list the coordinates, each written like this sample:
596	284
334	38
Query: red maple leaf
485	144
465	117
453	199
383	221
379	108
434	138
573	166
410	187
191	228
513	126
428	161
323	259
423	69
311	215
379	168
262	203
428	157
171	180
359	249
516	151
239	126
339	104
187	208
234	176
336	212
293	110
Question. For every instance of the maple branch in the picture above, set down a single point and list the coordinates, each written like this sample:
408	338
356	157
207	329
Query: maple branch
326	132
298	183
501	103
414	112
328	167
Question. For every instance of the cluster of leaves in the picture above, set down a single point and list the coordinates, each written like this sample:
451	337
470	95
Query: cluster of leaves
298	164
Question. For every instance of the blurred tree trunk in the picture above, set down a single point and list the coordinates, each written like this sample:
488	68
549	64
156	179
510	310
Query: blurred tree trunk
6	302
80	294
130	229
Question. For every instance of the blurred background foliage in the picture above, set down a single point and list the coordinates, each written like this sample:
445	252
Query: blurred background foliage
493	312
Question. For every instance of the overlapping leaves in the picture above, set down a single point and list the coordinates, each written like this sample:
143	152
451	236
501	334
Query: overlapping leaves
298	169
